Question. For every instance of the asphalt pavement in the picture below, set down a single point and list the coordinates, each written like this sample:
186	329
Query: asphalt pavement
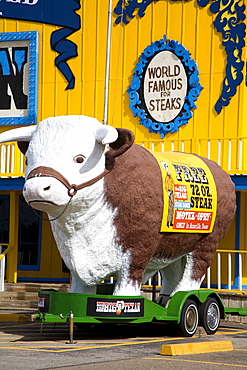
29	345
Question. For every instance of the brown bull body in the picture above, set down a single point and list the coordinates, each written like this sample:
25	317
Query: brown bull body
135	188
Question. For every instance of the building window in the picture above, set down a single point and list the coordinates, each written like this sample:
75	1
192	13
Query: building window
29	236
29	233
4	220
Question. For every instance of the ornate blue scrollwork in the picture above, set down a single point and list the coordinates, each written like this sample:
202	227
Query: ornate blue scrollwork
228	21
193	89
125	9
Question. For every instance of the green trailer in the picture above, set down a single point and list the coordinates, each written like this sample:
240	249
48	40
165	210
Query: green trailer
186	310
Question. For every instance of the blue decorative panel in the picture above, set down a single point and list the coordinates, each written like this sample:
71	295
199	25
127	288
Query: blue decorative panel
165	83
229	22
18	78
61	13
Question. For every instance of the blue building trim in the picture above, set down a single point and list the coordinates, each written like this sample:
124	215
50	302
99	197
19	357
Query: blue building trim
12	183
43	280
240	181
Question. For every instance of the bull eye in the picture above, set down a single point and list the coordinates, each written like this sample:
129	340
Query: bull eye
26	162
79	158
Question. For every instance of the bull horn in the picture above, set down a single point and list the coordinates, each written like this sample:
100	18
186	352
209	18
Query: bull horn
18	134
106	134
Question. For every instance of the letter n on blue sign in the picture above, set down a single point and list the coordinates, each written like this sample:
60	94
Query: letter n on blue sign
18	78
11	75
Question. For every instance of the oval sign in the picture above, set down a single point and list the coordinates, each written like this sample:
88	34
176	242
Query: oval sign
165	86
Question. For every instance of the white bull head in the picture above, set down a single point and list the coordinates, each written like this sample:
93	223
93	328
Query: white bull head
71	149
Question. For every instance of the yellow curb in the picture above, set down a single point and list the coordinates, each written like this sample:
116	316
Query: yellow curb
16	317
192	348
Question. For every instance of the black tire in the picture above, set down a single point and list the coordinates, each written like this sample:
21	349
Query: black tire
188	320
209	315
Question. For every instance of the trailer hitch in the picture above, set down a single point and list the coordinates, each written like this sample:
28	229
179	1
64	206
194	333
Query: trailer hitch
71	326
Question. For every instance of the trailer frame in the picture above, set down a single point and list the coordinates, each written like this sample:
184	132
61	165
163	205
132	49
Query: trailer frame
185	309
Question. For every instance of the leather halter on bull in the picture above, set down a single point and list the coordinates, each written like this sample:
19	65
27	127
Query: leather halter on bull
43	171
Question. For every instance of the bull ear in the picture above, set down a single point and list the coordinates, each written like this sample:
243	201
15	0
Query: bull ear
106	134
22	135
121	145
23	146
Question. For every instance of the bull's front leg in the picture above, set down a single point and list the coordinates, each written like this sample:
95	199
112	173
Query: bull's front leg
78	287
126	284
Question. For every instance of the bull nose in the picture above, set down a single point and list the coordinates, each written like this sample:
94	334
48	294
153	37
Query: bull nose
35	190
45	189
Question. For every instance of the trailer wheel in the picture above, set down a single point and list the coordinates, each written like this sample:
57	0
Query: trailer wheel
209	315
189	319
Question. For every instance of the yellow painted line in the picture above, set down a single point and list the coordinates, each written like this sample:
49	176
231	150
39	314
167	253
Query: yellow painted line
10	338
193	361
66	350
77	348
16	317
192	348
45	344
231	332
32	345
30	349
80	348
82	343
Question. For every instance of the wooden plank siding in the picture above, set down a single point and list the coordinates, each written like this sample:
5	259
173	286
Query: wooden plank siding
207	133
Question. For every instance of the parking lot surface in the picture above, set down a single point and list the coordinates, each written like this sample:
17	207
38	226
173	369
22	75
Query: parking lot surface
28	345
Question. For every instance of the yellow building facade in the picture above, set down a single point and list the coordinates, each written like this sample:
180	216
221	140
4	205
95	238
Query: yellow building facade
86	64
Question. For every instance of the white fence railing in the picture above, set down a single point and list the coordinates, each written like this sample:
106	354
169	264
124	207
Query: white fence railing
223	276
229	274
2	270
11	160
229	153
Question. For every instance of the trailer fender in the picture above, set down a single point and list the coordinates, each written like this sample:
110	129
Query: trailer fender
178	300
203	295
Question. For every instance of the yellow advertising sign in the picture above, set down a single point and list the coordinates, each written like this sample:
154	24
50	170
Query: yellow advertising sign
190	197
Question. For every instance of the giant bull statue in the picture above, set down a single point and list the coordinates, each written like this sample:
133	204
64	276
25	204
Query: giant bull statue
104	198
